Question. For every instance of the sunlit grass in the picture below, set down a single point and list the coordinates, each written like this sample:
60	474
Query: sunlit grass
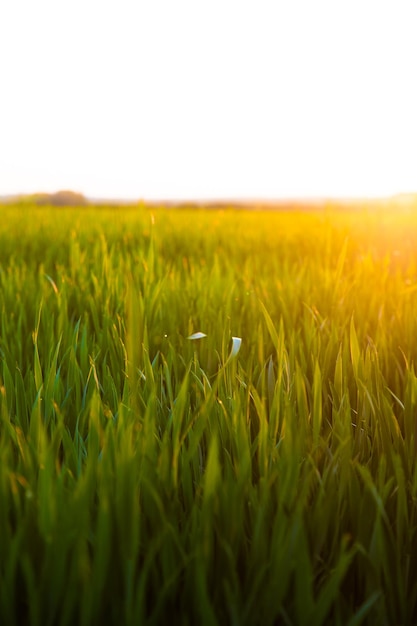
207	417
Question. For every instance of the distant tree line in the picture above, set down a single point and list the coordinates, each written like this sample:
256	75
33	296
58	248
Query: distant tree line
59	199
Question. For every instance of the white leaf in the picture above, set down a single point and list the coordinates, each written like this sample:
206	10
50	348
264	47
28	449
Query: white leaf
198	335
236	344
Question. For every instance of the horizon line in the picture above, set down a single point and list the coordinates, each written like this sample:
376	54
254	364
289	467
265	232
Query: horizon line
313	199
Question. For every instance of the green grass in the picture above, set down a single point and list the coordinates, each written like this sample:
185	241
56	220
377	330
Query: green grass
146	478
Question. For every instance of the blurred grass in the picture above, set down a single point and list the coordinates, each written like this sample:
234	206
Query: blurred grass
144	476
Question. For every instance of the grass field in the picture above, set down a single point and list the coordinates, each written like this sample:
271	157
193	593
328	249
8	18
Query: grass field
148	478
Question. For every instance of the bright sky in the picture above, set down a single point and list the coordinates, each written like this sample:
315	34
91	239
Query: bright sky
208	98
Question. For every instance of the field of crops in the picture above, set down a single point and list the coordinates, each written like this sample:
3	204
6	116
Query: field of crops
147	477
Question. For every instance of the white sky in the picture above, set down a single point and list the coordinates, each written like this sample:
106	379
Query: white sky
208	98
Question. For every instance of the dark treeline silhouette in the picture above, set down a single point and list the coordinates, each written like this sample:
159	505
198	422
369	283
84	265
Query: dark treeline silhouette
59	198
